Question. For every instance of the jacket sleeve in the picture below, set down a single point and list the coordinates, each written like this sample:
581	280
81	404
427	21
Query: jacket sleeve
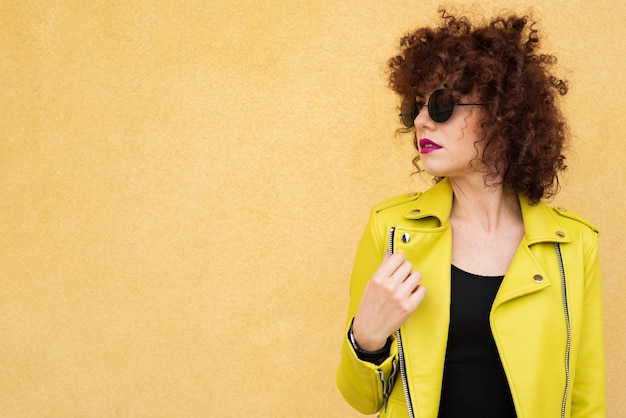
365	385
588	391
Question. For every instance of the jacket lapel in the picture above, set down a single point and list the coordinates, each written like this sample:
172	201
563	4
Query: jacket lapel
525	274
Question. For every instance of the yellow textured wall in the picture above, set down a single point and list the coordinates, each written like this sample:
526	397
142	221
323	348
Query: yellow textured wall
183	185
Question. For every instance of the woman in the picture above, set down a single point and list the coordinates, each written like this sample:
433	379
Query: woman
474	298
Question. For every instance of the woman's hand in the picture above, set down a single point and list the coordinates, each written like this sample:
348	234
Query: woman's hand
390	297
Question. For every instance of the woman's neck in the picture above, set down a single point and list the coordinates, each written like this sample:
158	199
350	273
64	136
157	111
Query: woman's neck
487	228
489	208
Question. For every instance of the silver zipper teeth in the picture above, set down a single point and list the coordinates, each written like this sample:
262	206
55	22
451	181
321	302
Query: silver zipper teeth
390	247
405	383
387	384
381	375
569	329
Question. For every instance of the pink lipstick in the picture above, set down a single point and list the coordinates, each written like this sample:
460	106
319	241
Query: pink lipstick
426	146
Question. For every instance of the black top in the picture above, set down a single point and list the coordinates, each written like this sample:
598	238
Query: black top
474	383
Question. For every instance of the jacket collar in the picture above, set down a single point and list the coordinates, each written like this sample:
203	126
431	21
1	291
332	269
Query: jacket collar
540	221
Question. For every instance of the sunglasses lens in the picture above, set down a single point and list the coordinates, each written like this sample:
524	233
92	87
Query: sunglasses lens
408	112
440	107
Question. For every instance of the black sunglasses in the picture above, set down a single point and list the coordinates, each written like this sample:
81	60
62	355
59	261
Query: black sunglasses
440	107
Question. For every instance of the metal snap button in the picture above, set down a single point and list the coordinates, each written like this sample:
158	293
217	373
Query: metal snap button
538	278
415	211
560	234
406	237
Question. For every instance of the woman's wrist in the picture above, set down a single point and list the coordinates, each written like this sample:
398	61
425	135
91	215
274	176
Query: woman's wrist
376	356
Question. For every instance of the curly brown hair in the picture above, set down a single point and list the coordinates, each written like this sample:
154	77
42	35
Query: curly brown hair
524	130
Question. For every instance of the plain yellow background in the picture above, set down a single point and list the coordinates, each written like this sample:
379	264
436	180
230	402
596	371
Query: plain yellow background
183	185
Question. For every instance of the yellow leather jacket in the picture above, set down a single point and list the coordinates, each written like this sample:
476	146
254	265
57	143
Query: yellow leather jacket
546	318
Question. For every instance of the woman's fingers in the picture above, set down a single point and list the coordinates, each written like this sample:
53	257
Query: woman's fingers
410	284
390	264
391	296
395	268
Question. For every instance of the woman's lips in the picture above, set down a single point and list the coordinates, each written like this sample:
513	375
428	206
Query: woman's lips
426	146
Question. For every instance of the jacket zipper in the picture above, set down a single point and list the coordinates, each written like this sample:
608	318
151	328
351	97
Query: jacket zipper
387	383
390	246
569	329
405	383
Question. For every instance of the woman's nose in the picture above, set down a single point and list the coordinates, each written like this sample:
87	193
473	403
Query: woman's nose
423	119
